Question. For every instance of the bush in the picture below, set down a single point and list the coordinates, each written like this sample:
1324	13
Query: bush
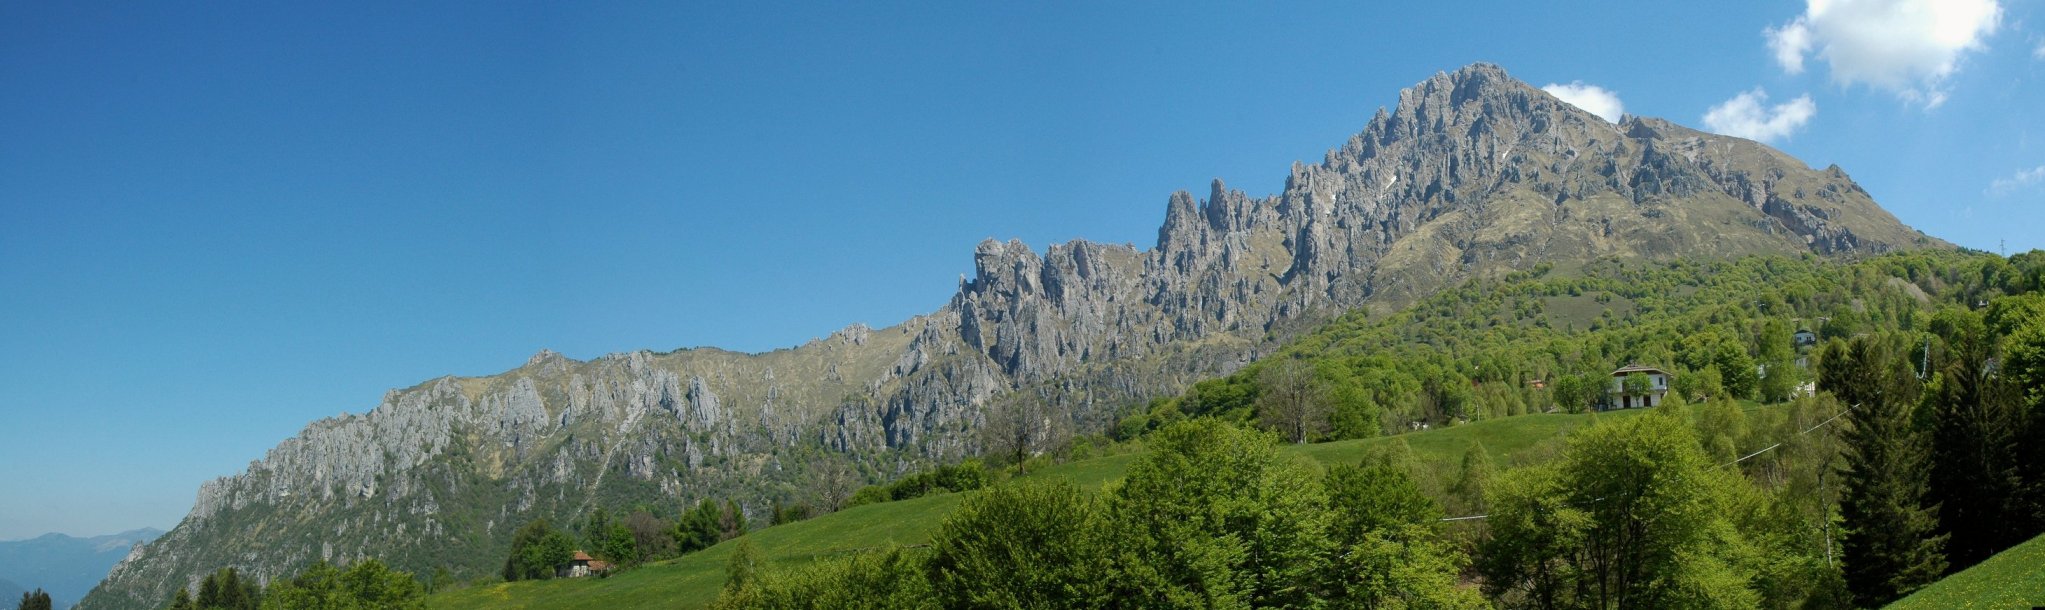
880	580
965	476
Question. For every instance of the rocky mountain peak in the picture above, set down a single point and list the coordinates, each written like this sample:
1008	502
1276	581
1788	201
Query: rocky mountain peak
1471	174
544	356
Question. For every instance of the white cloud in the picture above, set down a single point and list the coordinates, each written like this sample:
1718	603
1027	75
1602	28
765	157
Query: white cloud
1790	42
1592	98
2039	53
2017	181
1748	115
1909	47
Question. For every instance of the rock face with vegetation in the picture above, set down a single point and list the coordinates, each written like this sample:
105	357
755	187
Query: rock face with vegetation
1472	175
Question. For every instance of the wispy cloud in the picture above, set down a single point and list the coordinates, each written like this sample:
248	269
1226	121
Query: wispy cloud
1748	115
1790	42
2012	183
1907	47
1592	98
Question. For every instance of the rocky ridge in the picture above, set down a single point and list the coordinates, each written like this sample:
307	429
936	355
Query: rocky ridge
1471	174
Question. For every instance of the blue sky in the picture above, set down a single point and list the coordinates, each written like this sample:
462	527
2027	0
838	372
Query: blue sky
220	221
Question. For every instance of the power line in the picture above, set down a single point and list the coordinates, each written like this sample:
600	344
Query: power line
1742	458
1771	447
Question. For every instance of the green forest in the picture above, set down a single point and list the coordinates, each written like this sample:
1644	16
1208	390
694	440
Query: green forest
1891	460
1833	435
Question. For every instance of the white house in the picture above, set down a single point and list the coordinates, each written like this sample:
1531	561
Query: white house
581	565
1658	386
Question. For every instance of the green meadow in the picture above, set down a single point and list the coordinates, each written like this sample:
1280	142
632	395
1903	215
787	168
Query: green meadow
692	581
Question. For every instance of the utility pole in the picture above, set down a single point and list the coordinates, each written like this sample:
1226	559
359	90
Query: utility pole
1826	520
1924	370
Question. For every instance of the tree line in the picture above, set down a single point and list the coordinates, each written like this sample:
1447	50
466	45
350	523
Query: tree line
1212	516
1511	346
1904	467
539	550
1937	473
363	585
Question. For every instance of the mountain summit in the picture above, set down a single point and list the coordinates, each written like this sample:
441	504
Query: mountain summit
1472	174
64	566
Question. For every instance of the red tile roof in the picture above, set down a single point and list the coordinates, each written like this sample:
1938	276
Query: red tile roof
1636	368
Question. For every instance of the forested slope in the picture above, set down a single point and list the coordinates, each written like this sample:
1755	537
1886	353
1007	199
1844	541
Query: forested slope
1770	522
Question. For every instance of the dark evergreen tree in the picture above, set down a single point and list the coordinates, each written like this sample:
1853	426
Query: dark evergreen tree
1975	416
699	528
209	592
35	600
2019	324
225	590
1891	546
367	585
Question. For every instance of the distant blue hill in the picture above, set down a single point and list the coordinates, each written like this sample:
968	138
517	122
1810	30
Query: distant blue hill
11	593
64	566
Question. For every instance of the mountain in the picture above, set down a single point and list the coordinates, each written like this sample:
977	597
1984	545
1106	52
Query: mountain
10	591
1473	174
64	566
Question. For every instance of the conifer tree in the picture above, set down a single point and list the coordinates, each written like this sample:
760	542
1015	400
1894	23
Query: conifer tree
1976	417
1890	546
37	600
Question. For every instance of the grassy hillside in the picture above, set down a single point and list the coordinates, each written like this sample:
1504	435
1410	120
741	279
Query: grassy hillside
693	581
2012	579
1474	353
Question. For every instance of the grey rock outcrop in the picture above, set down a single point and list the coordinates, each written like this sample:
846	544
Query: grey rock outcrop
1471	174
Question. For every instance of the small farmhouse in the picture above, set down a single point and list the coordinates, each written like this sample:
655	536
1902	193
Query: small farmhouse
581	565
1657	387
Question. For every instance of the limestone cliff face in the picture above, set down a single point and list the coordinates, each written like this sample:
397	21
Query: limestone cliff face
1472	173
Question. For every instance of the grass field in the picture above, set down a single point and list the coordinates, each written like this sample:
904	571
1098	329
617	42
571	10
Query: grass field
2014	578
693	581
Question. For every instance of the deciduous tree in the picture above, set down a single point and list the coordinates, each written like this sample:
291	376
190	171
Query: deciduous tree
536	551
1212	517
1031	545
1632	516
1293	400
1019	426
